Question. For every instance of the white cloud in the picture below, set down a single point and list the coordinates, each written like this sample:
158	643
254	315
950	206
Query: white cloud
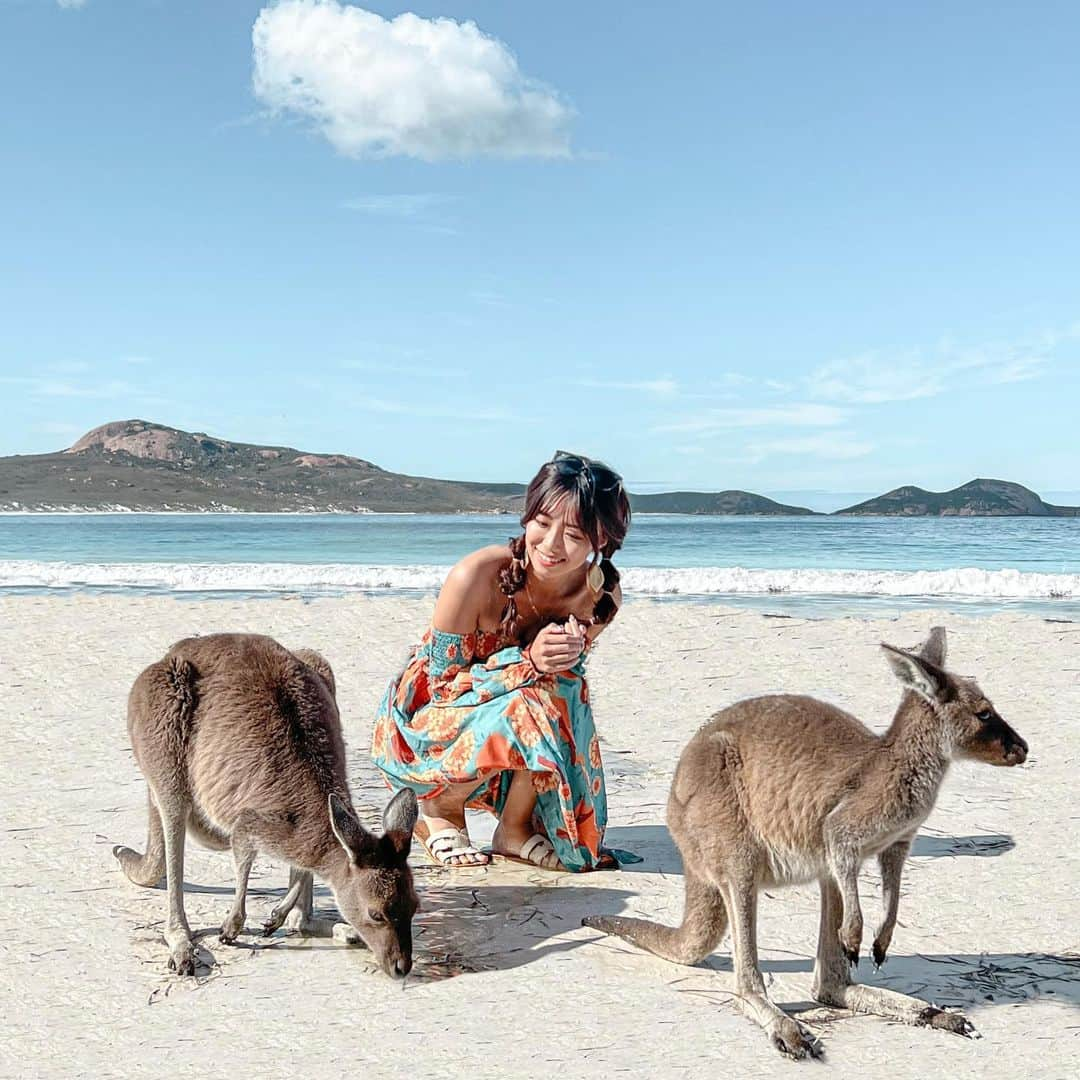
805	414
71	5
426	88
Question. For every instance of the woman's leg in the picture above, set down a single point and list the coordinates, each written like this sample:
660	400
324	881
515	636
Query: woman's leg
516	819
447	811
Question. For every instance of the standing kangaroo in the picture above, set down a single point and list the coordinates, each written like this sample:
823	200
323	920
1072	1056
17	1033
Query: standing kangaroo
783	789
241	746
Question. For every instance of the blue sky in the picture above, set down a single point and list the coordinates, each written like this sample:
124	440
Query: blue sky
777	247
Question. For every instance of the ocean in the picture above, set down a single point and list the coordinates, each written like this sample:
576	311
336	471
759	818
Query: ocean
796	565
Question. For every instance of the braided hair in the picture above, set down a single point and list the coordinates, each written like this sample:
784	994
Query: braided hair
597	495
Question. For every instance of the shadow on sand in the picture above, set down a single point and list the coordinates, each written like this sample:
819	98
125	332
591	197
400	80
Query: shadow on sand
660	856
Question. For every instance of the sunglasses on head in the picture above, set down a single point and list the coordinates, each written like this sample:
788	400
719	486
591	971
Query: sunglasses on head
600	477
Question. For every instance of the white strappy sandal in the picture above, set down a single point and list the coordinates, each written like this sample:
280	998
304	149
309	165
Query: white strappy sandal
448	844
537	851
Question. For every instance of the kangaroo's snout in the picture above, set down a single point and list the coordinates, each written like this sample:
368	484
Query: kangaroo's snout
1016	751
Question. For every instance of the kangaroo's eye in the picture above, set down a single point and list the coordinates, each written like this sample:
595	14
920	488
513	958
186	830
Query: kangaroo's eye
985	715
376	916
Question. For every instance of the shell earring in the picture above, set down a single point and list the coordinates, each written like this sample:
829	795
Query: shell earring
595	577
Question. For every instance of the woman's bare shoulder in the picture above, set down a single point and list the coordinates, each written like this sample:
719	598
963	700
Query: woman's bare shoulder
480	565
466	594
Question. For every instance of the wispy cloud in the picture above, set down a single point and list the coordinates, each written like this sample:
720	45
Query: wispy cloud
71	5
45	386
711	421
874	378
490	298
831	446
887	375
68	367
662	387
51	427
420	371
399	205
433	89
412	408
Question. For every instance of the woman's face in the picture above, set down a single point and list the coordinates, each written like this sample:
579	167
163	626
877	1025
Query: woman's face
556	545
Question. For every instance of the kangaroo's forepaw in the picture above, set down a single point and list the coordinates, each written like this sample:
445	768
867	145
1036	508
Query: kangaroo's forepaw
955	1022
231	929
850	940
182	958
794	1041
880	950
273	924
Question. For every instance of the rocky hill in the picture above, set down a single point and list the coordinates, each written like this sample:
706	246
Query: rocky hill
136	465
710	502
978	498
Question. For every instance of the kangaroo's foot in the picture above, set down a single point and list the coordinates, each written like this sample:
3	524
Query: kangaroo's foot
784	1032
793	1040
878	1001
232	928
183	955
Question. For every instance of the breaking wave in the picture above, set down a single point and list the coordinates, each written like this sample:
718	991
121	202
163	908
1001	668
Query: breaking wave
680	581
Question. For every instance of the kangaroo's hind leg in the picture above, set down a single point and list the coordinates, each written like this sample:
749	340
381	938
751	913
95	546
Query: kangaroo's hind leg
182	952
786	1033
833	985
703	927
146	869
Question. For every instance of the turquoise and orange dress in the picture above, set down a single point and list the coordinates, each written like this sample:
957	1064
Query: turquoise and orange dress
471	707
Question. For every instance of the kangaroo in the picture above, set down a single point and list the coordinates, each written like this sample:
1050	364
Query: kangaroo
241	746
783	789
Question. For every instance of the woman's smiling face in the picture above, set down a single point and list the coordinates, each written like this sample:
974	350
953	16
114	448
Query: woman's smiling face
555	543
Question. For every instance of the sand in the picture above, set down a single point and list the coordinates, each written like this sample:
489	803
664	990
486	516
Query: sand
506	979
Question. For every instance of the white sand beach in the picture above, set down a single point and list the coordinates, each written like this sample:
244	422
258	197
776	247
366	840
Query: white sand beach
506	981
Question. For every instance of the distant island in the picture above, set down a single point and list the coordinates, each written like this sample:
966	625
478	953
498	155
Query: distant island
977	498
136	465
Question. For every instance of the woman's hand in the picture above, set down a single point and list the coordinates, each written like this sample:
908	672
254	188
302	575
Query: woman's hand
556	647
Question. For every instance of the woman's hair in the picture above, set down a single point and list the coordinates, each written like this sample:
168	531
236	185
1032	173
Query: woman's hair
600	504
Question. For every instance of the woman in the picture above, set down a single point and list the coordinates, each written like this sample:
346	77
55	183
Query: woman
492	708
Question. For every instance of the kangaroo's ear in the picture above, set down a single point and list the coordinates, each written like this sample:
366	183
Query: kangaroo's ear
317	662
358	843
933	648
918	674
399	820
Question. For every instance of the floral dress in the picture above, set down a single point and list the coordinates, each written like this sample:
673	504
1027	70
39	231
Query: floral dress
471	707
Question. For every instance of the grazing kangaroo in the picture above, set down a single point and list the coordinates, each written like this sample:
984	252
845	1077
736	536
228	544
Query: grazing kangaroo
241	746
783	789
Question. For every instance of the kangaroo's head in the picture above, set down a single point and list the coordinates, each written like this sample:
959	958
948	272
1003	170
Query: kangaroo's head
373	886
975	728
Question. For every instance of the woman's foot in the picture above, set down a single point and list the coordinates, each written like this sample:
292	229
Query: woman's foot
523	843
447	842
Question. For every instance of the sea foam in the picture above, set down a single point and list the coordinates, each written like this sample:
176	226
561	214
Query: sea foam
681	581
